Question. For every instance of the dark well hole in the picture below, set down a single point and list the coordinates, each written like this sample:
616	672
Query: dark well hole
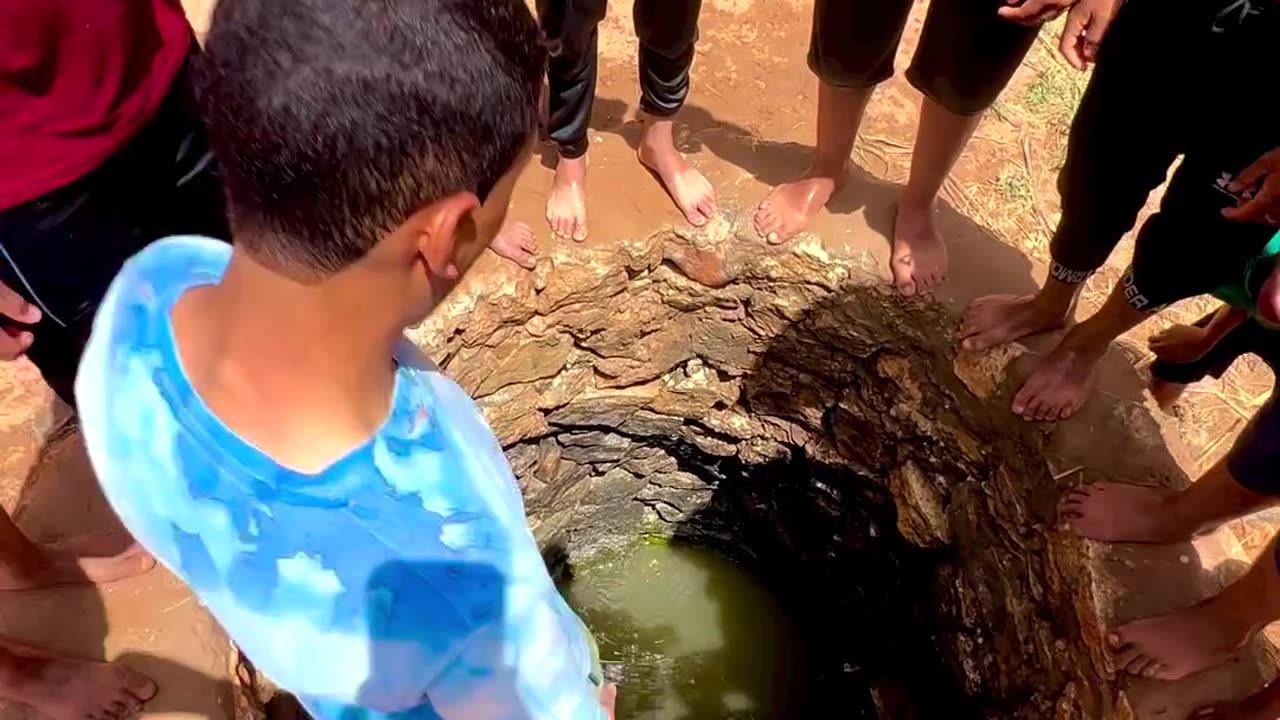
783	412
816	544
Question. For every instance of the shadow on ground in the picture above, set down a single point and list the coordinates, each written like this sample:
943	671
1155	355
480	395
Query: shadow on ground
149	623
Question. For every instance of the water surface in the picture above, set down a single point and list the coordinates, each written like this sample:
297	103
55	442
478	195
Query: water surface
693	635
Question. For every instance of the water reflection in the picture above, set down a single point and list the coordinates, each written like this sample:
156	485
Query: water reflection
693	635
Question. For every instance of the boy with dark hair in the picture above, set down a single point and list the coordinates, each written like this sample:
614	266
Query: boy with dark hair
257	418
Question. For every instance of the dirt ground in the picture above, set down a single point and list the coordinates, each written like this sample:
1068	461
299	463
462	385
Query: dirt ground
749	125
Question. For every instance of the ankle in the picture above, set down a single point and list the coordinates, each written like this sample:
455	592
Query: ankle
571	169
1052	306
659	132
910	203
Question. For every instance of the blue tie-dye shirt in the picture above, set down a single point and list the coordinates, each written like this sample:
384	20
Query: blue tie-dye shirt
400	582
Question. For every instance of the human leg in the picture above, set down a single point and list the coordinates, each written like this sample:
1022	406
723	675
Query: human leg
1243	482
61	252
1064	379
25	565
63	688
668	32
1173	260
851	49
1130	109
1181	643
1184	642
965	57
571	28
1169	378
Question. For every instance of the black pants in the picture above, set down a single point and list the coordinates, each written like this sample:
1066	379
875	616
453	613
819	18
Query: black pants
61	251
1248	337
668	31
965	56
1254	459
1172	78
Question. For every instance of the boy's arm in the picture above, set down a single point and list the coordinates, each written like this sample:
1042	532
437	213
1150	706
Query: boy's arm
1227	318
1188	343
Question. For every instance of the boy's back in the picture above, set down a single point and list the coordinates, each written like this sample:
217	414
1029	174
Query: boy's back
395	574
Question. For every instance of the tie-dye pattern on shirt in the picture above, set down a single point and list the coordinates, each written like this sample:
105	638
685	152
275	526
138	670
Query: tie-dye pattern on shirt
400	582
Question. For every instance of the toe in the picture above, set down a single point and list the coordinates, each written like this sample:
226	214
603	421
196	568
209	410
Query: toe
1132	661
767	222
127	707
1023	400
1051	411
903	275
708	203
695	216
141	687
1141	666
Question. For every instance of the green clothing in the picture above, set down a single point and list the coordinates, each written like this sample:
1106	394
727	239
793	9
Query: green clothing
1243	293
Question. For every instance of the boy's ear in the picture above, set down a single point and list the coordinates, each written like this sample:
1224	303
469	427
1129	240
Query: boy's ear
447	225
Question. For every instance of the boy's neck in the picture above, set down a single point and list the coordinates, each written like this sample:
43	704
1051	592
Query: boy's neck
302	371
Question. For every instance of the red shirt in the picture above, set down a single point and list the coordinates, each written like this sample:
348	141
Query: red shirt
77	79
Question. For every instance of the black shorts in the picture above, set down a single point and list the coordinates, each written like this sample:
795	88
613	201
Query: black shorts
1254	460
965	57
62	250
1173	78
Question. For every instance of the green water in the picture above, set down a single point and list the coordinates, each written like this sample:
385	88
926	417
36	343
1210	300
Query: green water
693	636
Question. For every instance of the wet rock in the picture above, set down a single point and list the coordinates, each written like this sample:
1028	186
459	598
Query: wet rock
922	513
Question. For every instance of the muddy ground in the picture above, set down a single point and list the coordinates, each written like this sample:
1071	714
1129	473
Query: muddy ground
749	125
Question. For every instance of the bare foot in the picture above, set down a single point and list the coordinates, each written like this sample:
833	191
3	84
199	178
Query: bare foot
516	243
68	689
1181	643
567	203
74	561
688	188
1165	393
996	320
790	207
1118	512
1059	387
919	261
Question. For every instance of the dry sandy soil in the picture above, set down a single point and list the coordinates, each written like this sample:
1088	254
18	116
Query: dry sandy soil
748	126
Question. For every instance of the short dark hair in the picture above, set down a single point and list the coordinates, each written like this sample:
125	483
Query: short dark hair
333	121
